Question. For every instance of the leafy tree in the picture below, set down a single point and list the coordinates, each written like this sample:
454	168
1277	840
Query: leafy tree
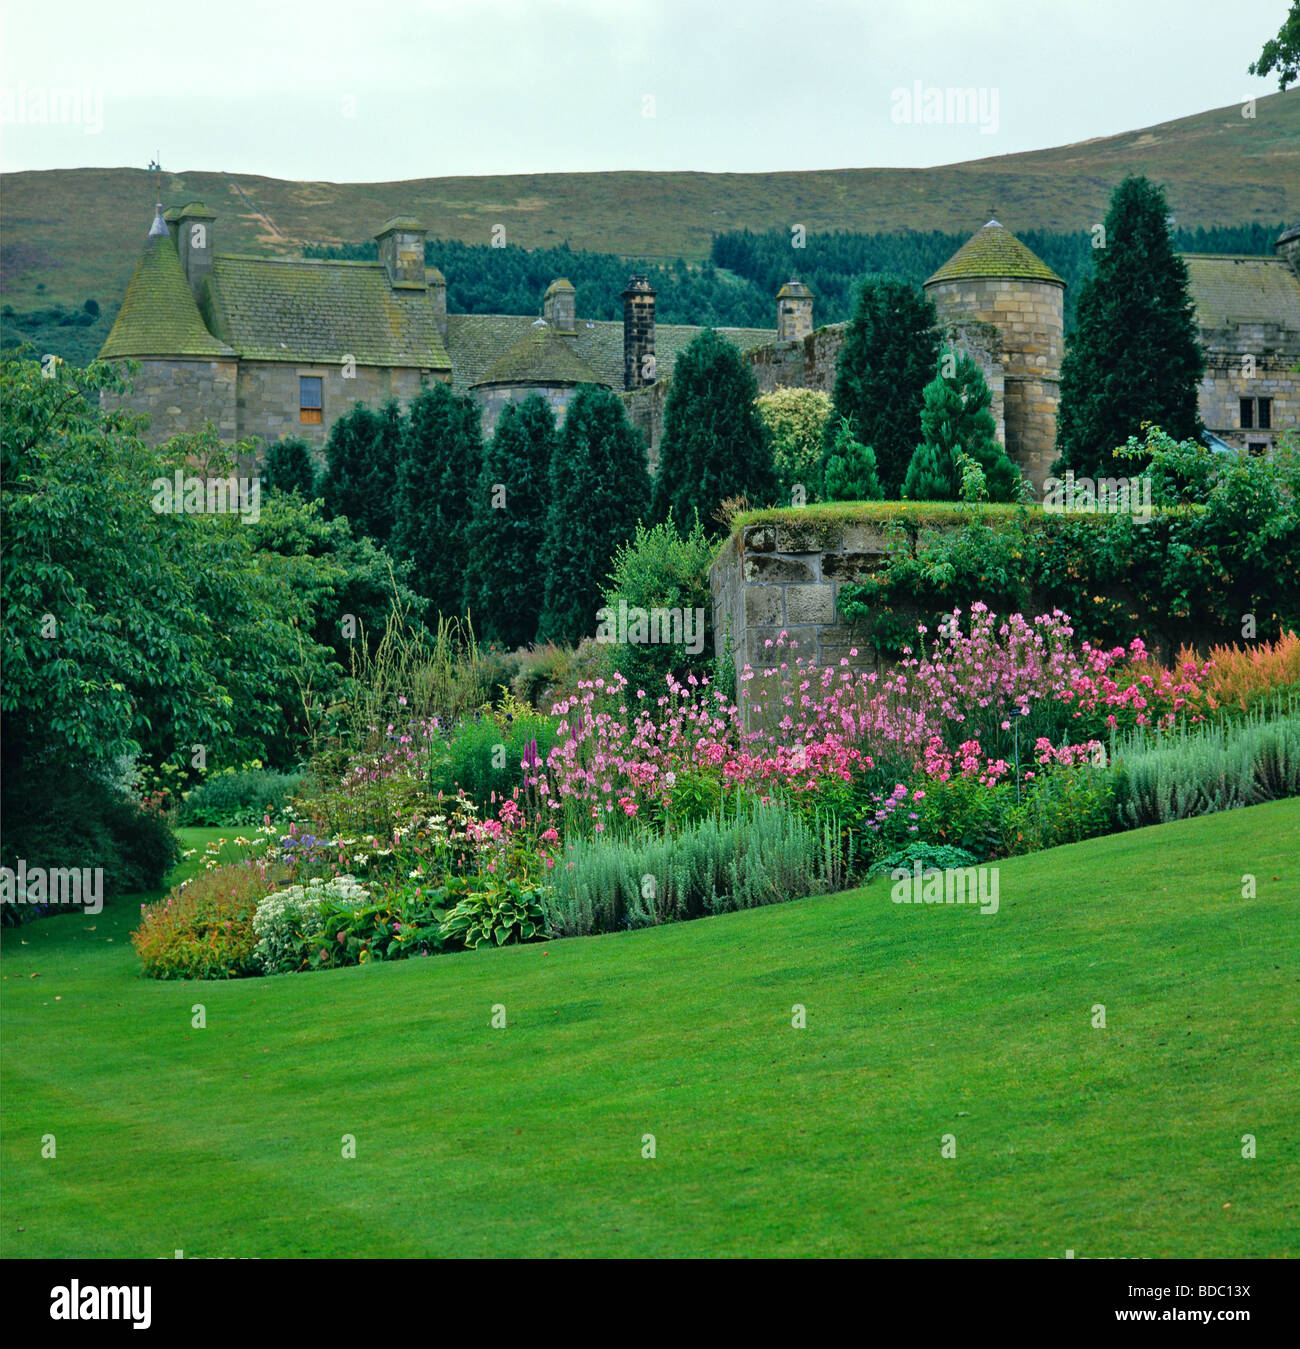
361	474
956	421
889	354
1134	356
795	420
662	568
714	442
288	467
599	488
131	632
339	574
849	472
509	523
1281	53
441	455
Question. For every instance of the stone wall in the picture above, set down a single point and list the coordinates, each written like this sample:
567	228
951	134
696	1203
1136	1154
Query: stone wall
786	577
267	401
181	396
1276	350
1029	317
645	410
492	400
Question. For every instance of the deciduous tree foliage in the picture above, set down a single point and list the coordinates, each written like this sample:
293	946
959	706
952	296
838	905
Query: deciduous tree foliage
889	355
510	508
715	444
600	488
1134	355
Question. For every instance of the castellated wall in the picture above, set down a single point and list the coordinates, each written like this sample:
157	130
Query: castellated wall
180	396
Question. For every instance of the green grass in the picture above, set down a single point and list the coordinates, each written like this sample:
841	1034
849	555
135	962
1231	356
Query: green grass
922	1021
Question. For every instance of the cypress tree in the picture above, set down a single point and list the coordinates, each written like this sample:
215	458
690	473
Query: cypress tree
600	488
506	584
890	350
955	419
361	473
715	444
438	468
288	468
1134	355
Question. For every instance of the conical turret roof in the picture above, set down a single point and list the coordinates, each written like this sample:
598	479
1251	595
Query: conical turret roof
994	252
159	316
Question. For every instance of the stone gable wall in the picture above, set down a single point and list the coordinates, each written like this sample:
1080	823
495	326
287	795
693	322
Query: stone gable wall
181	396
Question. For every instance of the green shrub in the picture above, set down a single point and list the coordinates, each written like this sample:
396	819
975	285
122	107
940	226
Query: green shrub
239	797
76	819
931	857
487	755
204	928
662	568
288	923
1211	768
391	928
1061	805
966	813
759	855
493	911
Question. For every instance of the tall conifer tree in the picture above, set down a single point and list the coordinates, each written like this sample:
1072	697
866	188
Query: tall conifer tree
506	582
715	444
889	354
600	488
1134	355
442	453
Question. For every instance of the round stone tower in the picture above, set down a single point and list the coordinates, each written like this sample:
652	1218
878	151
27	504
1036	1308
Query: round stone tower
994	287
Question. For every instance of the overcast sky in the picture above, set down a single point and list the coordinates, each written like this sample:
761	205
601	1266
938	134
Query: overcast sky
377	91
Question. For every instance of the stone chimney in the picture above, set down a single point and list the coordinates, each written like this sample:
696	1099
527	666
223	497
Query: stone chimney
638	333
401	250
794	311
193	226
437	284
559	306
1287	247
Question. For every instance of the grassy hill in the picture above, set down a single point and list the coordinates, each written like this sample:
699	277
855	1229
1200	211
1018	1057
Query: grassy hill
76	233
527	1141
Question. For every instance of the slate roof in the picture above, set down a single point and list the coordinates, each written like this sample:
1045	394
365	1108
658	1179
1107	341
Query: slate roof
994	252
159	315
541	356
475	342
1229	289
276	309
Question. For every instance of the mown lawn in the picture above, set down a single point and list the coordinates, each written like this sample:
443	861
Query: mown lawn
921	1022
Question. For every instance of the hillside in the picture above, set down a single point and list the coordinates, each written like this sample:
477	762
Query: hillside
1123	1141
74	234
